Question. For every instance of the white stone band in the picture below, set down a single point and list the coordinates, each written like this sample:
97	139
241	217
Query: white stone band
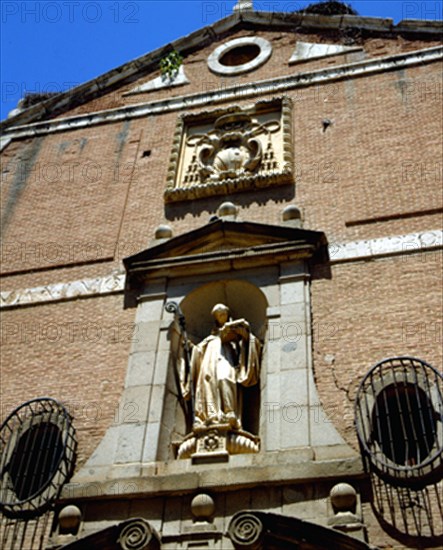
385	246
63	291
112	284
234	93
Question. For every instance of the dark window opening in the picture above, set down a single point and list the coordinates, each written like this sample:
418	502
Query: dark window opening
404	424
240	55
398	417
35	459
38	452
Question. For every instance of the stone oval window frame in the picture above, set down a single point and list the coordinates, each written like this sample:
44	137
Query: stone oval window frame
398	375
34	428
264	54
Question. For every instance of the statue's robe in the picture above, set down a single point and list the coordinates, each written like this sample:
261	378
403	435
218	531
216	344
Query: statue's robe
216	370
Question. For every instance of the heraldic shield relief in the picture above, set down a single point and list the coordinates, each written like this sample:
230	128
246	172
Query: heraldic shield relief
230	150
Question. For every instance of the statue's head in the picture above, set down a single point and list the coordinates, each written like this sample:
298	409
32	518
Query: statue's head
220	312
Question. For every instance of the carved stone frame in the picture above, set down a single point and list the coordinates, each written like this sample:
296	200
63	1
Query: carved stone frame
175	191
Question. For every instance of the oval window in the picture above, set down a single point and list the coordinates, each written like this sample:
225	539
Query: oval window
239	56
399	416
38	456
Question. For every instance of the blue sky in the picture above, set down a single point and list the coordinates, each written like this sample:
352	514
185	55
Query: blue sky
55	45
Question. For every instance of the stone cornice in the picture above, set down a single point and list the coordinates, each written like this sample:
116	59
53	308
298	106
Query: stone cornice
112	284
273	86
158	478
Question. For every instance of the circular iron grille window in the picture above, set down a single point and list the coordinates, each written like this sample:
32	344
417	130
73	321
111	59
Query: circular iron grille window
38	450
398	416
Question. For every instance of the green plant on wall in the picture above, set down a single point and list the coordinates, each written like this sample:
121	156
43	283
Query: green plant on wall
170	65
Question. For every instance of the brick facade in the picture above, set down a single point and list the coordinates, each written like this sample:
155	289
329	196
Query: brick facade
75	203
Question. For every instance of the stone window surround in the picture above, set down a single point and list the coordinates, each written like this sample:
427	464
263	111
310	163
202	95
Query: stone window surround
217	67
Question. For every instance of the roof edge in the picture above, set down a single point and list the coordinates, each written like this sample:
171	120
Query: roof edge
146	63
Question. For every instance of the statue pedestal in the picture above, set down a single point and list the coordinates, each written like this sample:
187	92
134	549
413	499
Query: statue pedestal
214	443
211	443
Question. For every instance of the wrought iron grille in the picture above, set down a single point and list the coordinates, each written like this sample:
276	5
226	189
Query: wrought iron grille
398	416
37	456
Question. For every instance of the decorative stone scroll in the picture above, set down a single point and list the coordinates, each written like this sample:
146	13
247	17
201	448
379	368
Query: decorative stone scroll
231	150
246	531
137	534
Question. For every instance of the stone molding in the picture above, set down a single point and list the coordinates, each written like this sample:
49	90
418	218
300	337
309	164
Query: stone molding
4	142
59	292
265	51
234	93
145	479
161	82
112	284
307	51
385	246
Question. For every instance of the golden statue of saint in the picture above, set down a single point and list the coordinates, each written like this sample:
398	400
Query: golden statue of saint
229	356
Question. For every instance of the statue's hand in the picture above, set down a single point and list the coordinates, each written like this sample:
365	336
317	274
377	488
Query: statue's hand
227	334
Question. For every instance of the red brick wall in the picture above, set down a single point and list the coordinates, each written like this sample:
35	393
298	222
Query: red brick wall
374	172
368	311
379	158
76	352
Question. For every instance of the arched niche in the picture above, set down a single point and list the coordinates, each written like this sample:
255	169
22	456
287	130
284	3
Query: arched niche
245	300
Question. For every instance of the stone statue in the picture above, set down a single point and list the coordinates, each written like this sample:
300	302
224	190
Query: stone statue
229	356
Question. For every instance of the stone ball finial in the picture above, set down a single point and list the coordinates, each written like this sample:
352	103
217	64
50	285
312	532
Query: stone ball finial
163	232
69	519
227	209
202	507
343	497
291	213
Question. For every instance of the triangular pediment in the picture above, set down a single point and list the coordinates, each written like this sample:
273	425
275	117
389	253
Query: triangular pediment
141	75
221	235
218	246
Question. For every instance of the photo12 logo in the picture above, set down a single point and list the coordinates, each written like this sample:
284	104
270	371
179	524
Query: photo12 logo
70	12
422	10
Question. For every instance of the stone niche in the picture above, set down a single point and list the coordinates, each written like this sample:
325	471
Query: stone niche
262	273
290	454
231	150
214	441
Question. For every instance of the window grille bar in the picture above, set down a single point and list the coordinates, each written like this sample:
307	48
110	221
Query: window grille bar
40	449
421	416
386	419
398	412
